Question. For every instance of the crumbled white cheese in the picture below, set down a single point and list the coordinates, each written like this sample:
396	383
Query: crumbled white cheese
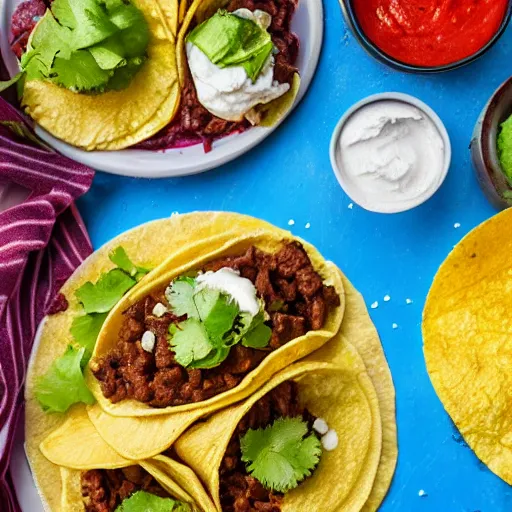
308	225
229	281
387	298
320	425
395	326
375	305
456	225
350	206
408	301
148	341
159	310
422	493
291	222
330	441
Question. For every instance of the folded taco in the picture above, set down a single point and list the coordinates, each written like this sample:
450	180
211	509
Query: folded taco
213	329
308	440
129	489
97	479
237	62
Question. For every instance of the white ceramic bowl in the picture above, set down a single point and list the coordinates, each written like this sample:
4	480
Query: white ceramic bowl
308	24
351	191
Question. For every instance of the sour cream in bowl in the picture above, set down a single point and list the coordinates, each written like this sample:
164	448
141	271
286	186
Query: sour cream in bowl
390	153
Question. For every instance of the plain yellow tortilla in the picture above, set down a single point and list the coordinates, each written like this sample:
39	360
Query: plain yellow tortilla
467	336
345	398
358	330
117	119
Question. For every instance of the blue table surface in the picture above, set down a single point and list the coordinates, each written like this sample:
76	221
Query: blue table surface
289	177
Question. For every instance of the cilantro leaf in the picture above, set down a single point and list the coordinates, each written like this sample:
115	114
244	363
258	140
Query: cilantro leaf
63	384
88	45
142	501
85	330
80	72
88	20
217	312
106	293
181	297
119	258
109	54
123	75
216	357
281	455
258	337
190	341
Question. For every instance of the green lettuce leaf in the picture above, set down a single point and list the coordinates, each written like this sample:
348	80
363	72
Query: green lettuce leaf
143	501
63	384
281	455
85	330
229	40
106	293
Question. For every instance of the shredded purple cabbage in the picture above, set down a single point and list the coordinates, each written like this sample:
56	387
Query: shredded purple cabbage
42	241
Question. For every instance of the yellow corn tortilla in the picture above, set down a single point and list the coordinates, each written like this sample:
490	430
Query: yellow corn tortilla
117	119
144	245
345	398
467	336
200	10
77	446
161	277
71	499
358	330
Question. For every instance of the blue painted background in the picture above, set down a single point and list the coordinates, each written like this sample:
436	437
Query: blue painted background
289	177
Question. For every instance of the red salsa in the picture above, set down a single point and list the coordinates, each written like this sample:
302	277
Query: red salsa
430	32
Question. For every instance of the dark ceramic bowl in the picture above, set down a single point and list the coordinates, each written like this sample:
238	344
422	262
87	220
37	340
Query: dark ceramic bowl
484	151
377	53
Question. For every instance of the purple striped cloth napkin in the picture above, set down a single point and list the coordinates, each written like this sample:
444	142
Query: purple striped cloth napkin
42	240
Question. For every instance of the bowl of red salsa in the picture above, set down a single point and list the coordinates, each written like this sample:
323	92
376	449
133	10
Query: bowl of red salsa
427	36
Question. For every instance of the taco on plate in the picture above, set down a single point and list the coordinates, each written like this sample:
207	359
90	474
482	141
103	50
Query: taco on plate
308	440
112	74
98	74
212	329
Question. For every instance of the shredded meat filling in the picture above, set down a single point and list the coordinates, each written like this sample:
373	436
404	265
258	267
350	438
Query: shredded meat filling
104	490
194	124
296	300
240	492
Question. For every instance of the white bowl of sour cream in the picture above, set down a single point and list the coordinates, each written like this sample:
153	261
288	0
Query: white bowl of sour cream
390	152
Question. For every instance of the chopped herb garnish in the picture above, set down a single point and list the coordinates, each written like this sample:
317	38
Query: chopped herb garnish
281	455
63	384
142	501
106	293
214	324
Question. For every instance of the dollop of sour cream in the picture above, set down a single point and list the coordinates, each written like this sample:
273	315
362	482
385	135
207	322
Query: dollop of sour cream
391	156
229	281
228	92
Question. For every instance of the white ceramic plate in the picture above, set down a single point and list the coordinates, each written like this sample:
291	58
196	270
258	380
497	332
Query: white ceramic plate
308	23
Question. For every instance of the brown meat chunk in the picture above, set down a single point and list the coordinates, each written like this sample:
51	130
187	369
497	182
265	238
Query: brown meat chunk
242	360
131	330
332	299
308	282
286	328
317	312
290	259
264	286
287	289
164	356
